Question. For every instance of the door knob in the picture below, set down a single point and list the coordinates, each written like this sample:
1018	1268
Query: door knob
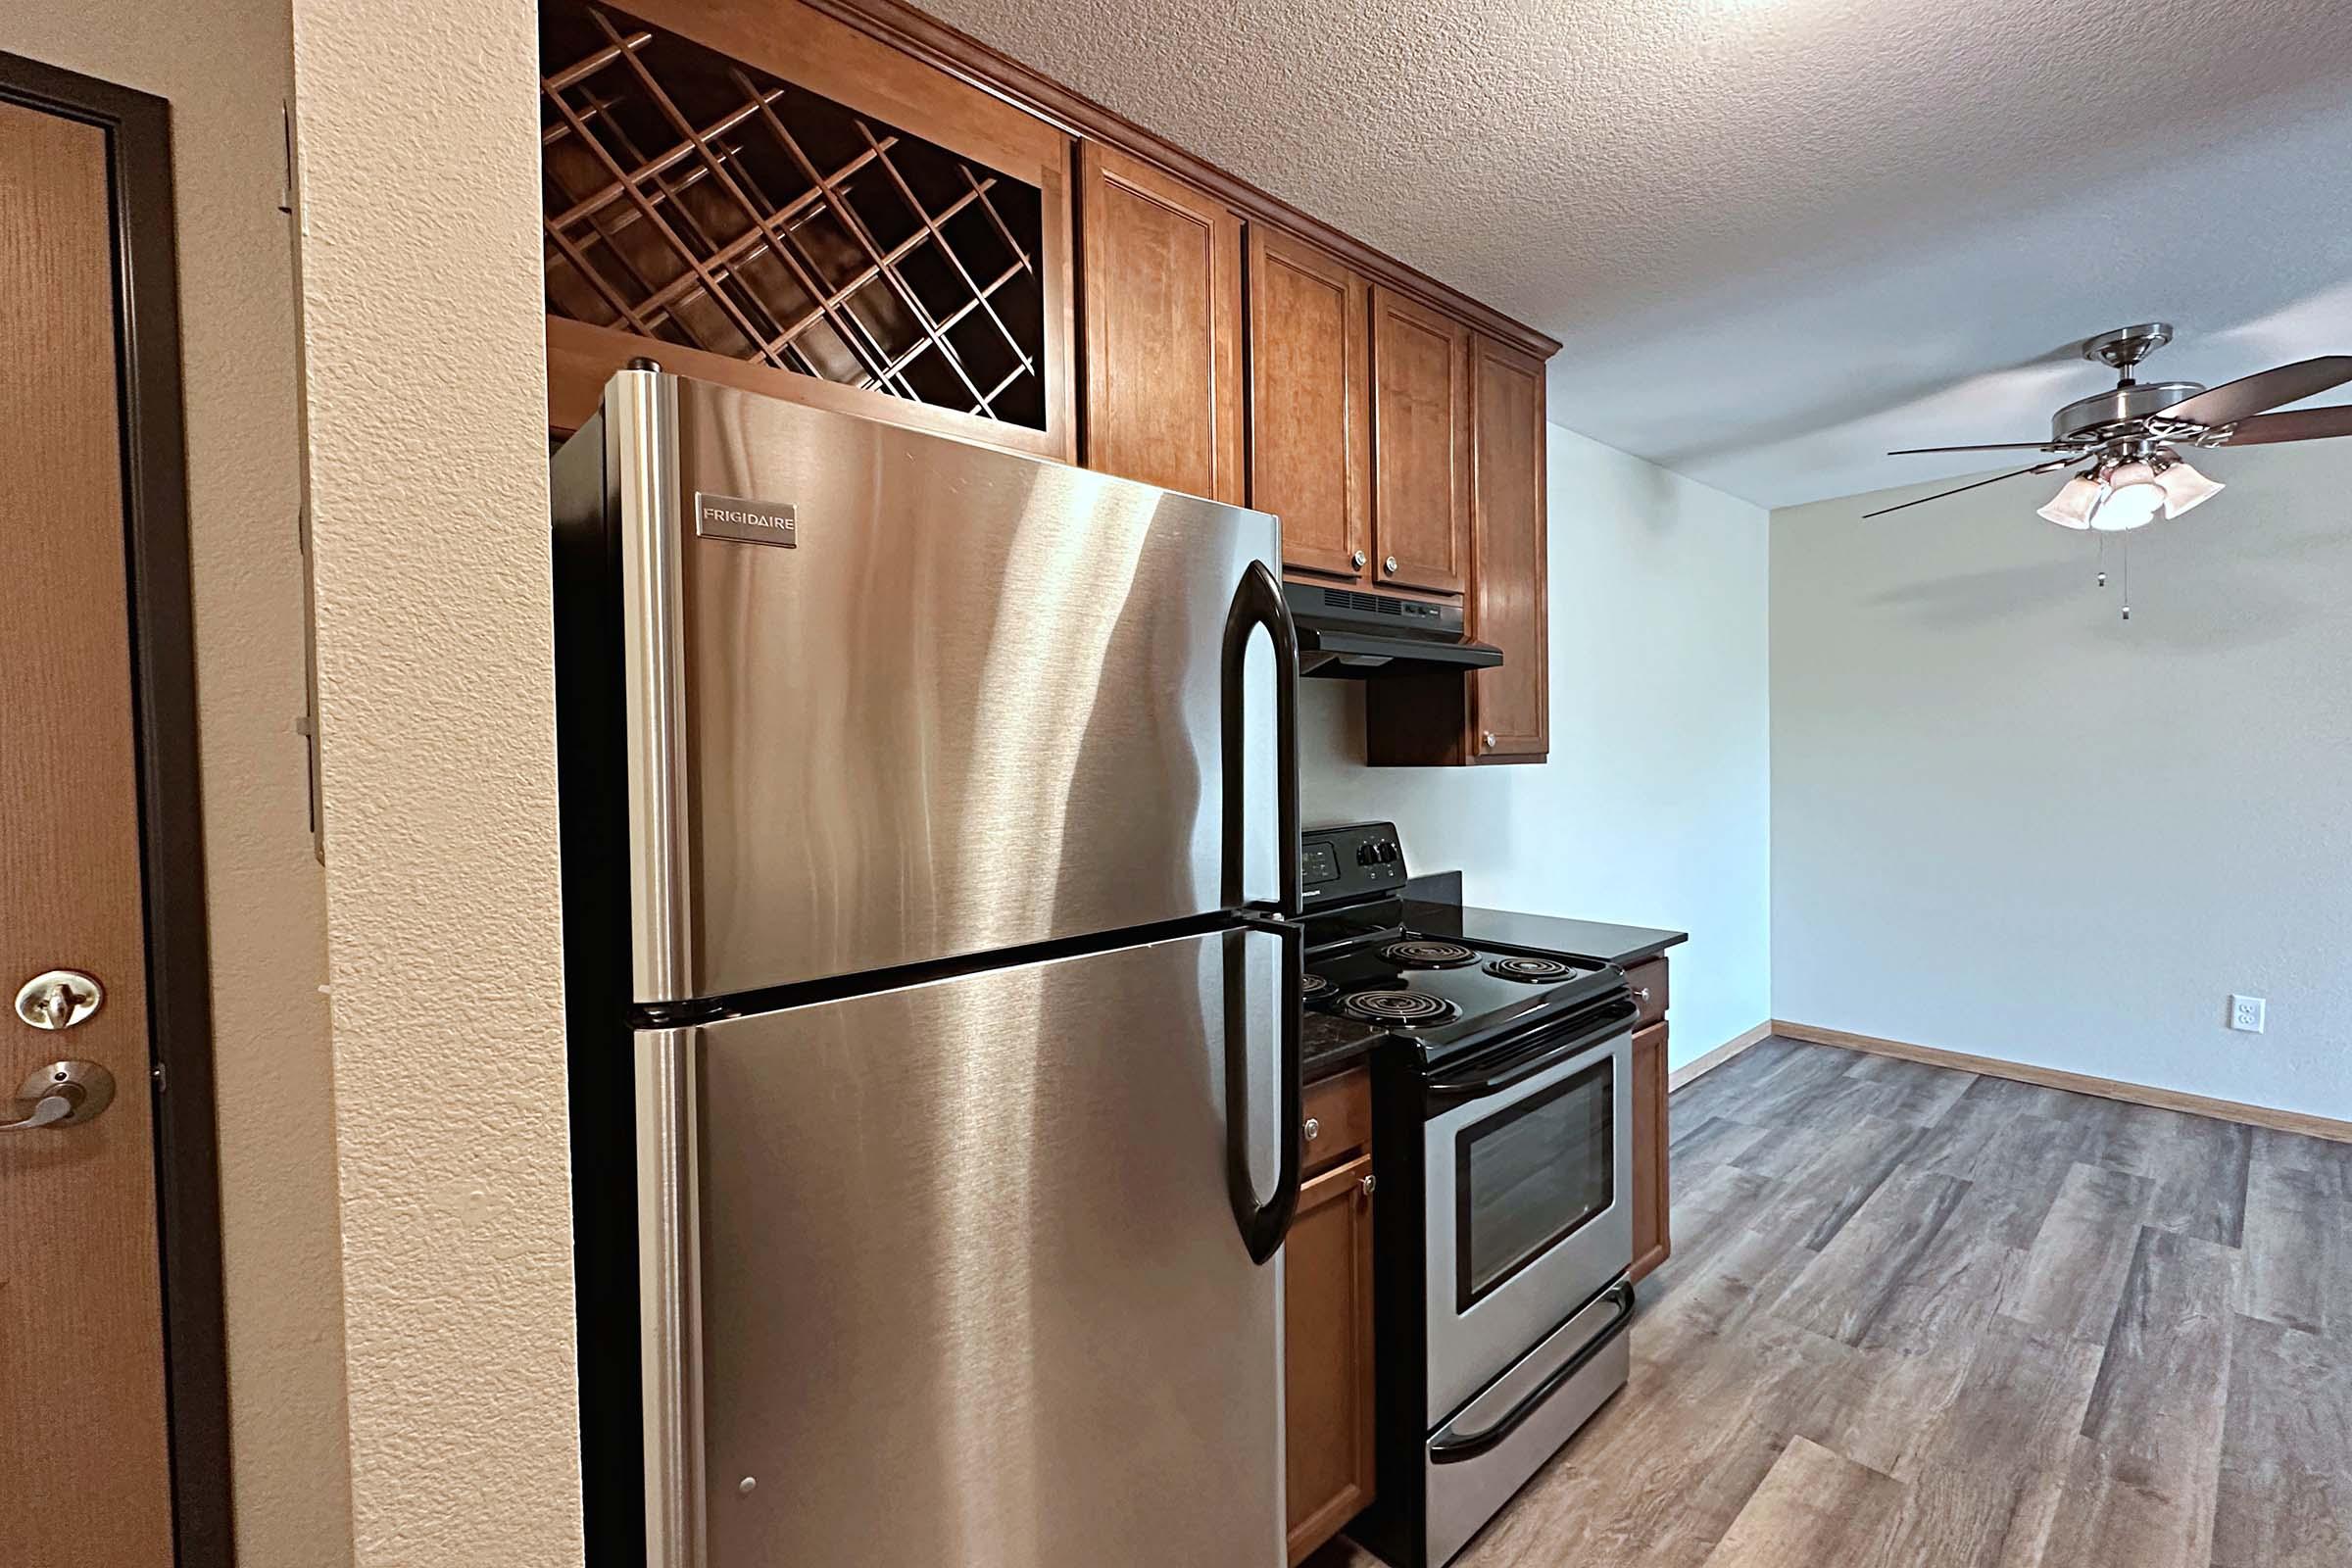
59	999
1390	565
58	1095
1359	558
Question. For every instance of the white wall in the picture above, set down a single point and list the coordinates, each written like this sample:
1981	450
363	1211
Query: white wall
1654	806
2005	821
426	385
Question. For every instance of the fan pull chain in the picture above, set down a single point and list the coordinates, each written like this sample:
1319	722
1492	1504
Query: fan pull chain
2124	550
2102	561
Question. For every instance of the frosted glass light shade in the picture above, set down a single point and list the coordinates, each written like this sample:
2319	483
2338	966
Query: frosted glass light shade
2132	501
2075	501
2184	487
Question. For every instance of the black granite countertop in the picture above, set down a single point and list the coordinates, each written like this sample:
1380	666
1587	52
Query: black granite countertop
1329	1044
1589	940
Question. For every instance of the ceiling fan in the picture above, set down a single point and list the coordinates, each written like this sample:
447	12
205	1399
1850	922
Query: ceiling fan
2131	438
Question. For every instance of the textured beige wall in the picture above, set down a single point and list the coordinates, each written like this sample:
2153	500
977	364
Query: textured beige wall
223	64
425	386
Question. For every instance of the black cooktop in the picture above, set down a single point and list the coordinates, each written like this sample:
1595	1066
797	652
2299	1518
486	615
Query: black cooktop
1367	977
1372	976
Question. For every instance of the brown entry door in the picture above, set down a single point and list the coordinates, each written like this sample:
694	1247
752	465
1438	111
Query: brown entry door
84	1443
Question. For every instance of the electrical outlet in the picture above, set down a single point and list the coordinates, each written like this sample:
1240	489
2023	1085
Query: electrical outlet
2245	1012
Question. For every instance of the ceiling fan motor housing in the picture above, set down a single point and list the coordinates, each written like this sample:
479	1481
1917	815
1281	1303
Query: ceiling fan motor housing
2118	410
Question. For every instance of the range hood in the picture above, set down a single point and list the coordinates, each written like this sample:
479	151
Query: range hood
1354	636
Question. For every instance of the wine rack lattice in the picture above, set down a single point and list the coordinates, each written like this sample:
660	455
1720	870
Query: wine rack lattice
692	199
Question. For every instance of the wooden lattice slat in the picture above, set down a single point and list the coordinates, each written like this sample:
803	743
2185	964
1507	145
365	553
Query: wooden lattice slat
693	199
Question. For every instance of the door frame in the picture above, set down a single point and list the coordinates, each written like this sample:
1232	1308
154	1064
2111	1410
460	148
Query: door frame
146	270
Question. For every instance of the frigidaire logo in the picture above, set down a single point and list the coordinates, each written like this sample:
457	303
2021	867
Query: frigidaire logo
756	523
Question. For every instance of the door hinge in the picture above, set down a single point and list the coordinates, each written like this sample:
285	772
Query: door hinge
285	127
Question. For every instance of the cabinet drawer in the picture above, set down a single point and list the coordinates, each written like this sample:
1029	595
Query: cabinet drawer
1648	980
1339	1112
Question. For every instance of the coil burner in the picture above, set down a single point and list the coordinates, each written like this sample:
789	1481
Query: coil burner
1399	1007
1416	953
1535	971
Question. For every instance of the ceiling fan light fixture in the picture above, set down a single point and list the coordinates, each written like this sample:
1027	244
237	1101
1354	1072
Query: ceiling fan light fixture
2184	488
2134	499
2075	501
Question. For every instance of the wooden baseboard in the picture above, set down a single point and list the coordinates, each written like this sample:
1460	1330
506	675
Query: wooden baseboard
1701	1066
2285	1121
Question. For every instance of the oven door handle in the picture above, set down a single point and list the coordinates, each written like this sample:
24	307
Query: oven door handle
1545	1053
1451	1448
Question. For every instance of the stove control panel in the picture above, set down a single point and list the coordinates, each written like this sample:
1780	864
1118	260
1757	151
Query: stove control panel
1342	862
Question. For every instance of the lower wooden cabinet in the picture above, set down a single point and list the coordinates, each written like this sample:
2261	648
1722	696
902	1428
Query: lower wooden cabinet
1327	1328
1652	1193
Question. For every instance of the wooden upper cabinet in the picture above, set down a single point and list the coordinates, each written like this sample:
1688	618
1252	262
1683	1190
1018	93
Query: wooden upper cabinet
1510	707
1501	715
1420	446
1160	276
1310	397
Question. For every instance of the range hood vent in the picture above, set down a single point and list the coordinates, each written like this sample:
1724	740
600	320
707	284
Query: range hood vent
1348	635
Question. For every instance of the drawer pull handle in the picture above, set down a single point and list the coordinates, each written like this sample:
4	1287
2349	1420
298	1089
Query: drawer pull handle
1369	1182
1313	1129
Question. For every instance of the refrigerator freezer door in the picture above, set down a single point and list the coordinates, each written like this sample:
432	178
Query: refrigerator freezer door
897	698
958	1278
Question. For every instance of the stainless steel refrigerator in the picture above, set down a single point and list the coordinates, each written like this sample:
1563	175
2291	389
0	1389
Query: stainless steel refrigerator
930	849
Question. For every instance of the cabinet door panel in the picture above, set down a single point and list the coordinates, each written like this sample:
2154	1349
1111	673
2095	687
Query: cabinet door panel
1161	265
1510	705
1420	446
1311	422
1327	1336
1651	1242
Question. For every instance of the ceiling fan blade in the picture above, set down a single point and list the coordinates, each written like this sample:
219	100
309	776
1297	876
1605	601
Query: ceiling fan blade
2296	424
2018	473
1988	446
2250	395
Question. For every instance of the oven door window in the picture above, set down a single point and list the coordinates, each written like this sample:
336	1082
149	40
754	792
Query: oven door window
1528	1177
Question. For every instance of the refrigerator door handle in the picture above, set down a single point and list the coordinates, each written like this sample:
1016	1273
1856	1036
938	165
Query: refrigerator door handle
1257	602
1264	1225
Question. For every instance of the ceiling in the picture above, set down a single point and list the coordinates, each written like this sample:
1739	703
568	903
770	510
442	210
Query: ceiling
1779	236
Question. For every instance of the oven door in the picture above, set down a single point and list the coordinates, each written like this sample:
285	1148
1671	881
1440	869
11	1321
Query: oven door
1528	1193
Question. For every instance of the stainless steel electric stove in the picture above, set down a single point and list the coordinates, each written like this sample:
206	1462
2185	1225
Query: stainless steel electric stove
1501	1138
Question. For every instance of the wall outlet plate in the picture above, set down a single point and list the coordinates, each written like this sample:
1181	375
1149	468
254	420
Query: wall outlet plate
2245	1012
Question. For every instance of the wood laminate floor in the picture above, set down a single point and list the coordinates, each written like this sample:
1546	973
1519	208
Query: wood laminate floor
1917	1316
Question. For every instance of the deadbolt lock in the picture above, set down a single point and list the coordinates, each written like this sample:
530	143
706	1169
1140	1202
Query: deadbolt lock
59	999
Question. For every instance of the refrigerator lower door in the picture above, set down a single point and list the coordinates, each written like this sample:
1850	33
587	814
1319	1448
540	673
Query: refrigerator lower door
951	1273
